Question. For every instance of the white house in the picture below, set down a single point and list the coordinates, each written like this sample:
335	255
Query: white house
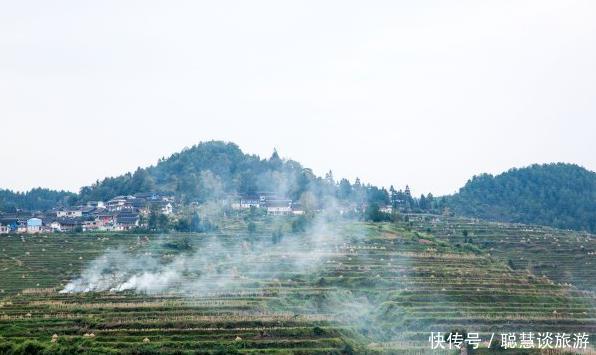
34	225
167	209
246	203
279	207
4	229
386	209
56	226
69	213
96	204
119	203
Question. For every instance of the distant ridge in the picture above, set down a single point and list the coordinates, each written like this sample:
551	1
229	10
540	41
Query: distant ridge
558	195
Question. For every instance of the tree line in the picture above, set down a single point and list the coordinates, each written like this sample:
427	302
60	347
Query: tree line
558	195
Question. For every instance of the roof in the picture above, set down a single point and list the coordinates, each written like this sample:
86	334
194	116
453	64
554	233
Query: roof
132	219
149	195
8	220
68	221
139	202
279	203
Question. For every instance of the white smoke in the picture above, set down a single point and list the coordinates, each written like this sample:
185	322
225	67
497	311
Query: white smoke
214	264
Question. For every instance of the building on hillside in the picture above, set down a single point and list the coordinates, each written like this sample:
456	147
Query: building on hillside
153	196
96	204
55	226
127	221
4	229
69	213
161	206
386	209
11	223
279	207
139	203
34	225
69	224
105	219
88	211
297	209
246	202
119	203
92	225
265	196
167	208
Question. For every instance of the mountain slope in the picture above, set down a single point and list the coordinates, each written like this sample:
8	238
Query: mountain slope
558	195
204	171
215	169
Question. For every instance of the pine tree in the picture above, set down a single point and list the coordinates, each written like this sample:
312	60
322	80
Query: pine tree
393	197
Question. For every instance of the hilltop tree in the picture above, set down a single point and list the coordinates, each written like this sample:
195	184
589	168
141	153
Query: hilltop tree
393	196
423	203
408	197
430	201
329	178
275	160
344	189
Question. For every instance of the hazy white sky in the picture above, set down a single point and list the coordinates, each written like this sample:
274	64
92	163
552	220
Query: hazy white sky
426	93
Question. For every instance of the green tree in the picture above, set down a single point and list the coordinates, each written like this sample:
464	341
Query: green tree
152	221
163	222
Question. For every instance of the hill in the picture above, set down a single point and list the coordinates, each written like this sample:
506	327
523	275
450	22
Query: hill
215	169
558	195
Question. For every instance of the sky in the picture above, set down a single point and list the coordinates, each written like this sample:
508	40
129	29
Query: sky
425	93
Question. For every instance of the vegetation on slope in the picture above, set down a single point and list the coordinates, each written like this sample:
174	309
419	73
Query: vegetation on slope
35	199
558	195
212	170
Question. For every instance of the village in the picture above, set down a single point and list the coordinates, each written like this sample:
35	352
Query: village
125	213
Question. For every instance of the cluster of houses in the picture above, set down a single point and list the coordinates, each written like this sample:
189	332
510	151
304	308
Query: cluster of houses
123	213
275	205
118	214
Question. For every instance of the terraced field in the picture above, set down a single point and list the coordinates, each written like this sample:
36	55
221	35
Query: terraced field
355	287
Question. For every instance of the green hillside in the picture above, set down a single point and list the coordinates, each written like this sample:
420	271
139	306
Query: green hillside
212	170
558	195
35	199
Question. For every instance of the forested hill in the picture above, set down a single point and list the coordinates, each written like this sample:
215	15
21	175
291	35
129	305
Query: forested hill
210	171
35	199
215	169
558	195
